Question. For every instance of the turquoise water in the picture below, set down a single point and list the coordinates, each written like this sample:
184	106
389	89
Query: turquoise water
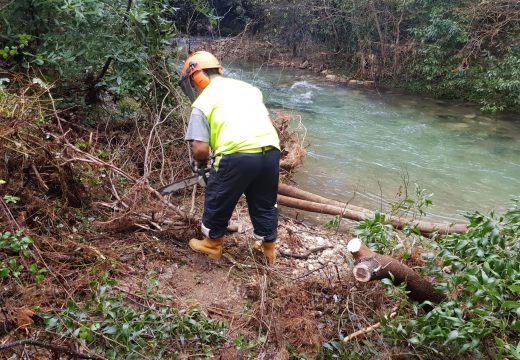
367	145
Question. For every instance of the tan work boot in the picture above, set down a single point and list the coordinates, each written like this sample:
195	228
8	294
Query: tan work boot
269	249
210	247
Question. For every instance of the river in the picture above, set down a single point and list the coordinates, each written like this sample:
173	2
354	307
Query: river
367	146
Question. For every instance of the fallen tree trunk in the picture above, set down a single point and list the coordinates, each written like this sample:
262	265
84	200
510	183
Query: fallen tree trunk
321	208
303	200
372	266
291	191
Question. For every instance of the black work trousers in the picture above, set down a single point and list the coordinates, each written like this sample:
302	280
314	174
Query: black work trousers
253	174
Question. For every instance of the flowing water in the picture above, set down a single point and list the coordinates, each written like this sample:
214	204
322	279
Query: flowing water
366	145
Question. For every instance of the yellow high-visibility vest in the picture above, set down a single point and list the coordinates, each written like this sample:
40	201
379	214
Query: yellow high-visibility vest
237	116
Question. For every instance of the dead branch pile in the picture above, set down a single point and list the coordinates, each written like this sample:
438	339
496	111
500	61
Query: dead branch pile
292	137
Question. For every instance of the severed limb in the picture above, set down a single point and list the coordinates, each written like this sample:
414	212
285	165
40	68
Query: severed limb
372	266
366	330
306	254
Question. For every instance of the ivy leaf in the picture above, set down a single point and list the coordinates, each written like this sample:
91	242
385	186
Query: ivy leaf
4	272
509	304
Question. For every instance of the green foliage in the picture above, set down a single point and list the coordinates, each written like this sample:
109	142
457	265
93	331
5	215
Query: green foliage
413	205
10	267
340	350
10	51
377	235
496	86
458	60
334	222
75	38
92	178
217	18
128	106
242	343
103	153
453	49
18	243
107	325
481	271
81	217
11	199
37	272
81	145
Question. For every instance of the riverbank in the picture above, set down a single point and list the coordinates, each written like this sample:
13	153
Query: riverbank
95	263
249	49
92	237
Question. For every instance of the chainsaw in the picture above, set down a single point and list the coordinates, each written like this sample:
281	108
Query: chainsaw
200	176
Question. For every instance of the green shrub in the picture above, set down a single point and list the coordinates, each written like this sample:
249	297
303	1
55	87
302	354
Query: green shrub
109	325
480	271
19	244
71	41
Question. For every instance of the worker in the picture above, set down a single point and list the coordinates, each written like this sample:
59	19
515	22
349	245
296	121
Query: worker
230	120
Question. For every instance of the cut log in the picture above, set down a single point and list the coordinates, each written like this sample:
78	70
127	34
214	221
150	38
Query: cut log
291	191
372	266
321	208
294	199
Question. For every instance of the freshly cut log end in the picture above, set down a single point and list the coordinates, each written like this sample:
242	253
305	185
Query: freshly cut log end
354	245
358	249
363	272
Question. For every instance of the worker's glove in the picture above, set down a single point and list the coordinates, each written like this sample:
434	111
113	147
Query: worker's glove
198	166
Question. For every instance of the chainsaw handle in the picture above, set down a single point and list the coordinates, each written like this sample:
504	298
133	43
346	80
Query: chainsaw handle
201	167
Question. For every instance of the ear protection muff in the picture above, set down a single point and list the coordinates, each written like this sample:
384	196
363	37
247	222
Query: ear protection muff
196	64
200	78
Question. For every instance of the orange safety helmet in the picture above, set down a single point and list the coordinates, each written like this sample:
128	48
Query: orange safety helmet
197	62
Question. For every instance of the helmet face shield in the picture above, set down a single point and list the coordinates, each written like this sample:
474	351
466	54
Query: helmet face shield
192	72
187	88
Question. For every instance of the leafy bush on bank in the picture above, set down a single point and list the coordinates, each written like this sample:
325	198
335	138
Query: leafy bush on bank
459	49
480	272
87	45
